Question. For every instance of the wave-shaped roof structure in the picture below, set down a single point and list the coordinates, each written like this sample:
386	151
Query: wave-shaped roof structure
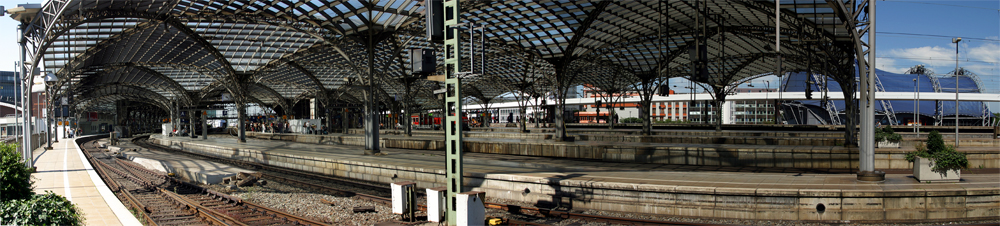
894	82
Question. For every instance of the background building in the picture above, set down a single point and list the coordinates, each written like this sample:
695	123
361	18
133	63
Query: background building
890	112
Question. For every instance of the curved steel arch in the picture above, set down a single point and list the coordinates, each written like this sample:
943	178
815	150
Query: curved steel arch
108	45
258	90
148	77
108	91
84	106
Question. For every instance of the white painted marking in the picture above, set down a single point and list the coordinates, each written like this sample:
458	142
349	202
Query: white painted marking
68	193
124	216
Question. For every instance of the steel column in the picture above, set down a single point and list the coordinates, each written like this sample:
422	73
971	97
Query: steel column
867	145
241	117
26	153
371	107
204	125
345	120
452	109
49	119
956	41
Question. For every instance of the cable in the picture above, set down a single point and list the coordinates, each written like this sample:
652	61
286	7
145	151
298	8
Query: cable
928	3
960	60
940	36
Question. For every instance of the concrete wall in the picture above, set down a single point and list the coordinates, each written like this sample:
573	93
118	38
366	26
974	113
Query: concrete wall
954	203
805	156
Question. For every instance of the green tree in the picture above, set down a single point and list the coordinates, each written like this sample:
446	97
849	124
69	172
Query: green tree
15	177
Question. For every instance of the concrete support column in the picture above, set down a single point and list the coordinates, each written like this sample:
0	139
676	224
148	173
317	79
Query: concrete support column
672	110
313	109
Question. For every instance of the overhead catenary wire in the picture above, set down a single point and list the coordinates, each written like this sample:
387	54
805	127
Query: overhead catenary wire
940	4
939	36
939	59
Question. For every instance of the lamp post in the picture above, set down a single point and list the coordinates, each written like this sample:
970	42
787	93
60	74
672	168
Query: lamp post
915	115
956	41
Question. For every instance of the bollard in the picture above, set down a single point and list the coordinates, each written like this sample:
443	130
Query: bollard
435	204
471	208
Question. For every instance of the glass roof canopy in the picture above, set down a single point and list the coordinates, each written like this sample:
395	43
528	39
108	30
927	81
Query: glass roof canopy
279	52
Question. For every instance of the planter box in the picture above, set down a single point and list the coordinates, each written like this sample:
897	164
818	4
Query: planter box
887	144
922	172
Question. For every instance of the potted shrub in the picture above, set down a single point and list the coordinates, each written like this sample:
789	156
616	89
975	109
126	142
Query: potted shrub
886	137
937	162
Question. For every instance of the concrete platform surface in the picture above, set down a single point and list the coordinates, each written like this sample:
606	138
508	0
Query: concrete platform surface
198	170
65	171
707	191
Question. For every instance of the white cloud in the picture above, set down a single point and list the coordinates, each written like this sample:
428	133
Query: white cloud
928	55
989	52
890	65
982	59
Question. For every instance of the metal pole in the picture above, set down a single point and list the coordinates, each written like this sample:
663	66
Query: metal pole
867	158
918	106
452	110
26	101
777	49
915	89
371	107
956	41
204	125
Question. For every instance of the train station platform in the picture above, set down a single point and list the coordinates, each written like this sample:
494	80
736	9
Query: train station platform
819	150
192	169
745	192
65	171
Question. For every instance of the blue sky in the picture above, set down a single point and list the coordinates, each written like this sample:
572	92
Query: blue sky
916	32
933	25
920	33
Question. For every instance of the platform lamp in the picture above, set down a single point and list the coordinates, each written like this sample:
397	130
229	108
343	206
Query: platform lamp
956	41
50	82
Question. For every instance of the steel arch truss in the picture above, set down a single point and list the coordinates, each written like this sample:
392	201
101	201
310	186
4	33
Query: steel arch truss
281	52
110	93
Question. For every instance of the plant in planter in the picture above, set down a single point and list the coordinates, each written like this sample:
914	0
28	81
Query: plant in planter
936	161
887	138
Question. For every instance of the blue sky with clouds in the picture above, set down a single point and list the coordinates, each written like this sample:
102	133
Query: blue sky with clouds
910	33
920	32
916	32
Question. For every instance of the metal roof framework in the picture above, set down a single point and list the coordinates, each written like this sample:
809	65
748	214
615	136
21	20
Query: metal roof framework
277	53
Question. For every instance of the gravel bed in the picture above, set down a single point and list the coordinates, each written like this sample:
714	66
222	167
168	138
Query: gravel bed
307	204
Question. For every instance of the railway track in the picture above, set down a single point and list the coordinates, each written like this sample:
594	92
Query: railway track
381	193
158	199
